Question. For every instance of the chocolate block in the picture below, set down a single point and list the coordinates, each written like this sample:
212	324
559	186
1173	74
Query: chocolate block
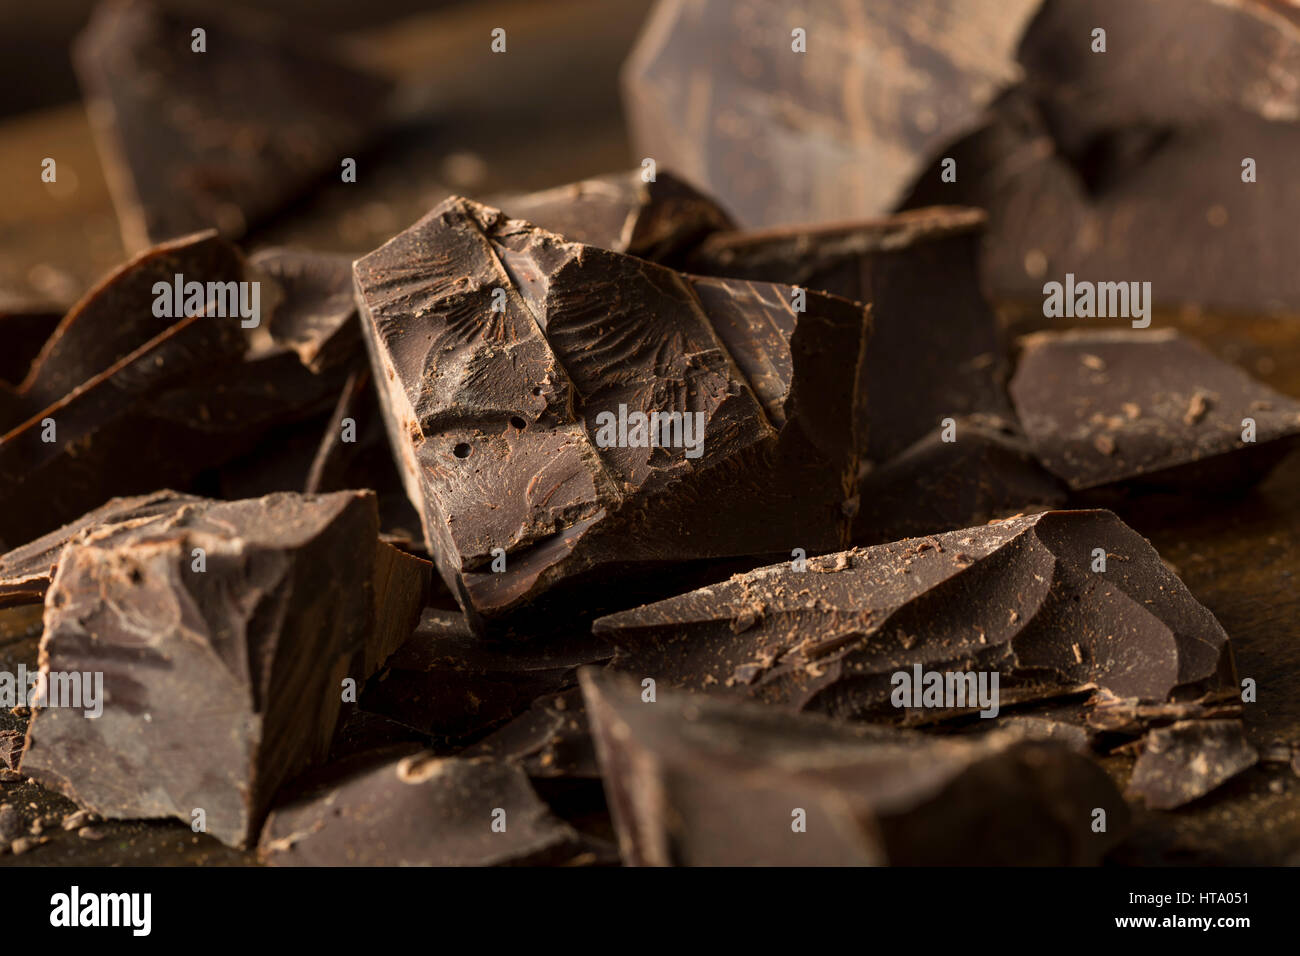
916	269
316	316
1148	410
1114	167
624	213
696	781
222	138
1017	599
418	810
11	749
449	684
882	87
1187	760
25	572
986	472
507	357
220	680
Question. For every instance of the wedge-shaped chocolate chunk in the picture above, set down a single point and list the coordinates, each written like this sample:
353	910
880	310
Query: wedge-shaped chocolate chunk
550	739
565	410
622	212
918	269
316	315
1187	760
25	572
984	472
1149	410
1018	601
451	685
702	782
221	137
118	316
882	87
222	636
418	810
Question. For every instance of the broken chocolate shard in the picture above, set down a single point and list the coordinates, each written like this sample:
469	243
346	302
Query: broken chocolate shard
514	366
25	572
1147	410
697	781
418	810
882	88
985	472
550	739
222	634
316	315
451	685
917	267
1187	760
622	212
118	316
220	138
1019	601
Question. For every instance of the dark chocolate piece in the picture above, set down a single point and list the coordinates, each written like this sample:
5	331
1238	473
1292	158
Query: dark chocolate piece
1149	410
1016	599
222	138
985	472
316	315
882	87
1133	717
11	749
220	679
419	810
550	739
624	213
449	684
1187	760
697	781
918	270
1114	167
512	364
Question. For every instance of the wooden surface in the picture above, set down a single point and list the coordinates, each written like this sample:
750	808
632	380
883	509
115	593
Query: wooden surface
548	112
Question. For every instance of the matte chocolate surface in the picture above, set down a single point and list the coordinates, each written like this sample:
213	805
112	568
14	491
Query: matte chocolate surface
1187	760
220	680
1017	597
419	810
697	781
1148	408
220	138
624	213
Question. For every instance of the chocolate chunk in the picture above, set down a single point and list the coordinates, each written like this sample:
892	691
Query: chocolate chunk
222	636
512	364
316	316
881	88
220	138
1017	600
696	781
1187	760
550	739
1148	410
1114	167
985	472
449	684
1129	715
624	213
25	572
418	810
11	749
117	317
918	268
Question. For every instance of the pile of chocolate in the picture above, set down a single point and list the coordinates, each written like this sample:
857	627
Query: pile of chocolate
586	526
